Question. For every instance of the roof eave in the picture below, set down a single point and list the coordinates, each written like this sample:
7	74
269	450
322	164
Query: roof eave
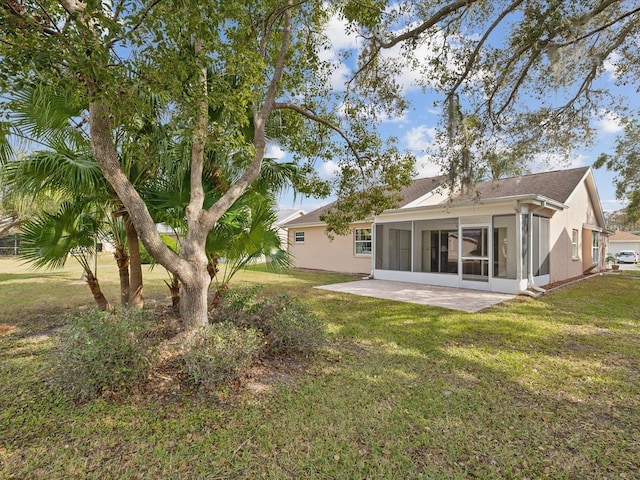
529	198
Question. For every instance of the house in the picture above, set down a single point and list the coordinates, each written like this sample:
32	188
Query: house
284	216
512	235
624	241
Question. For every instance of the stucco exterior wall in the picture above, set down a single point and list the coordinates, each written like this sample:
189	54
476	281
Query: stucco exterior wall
320	253
579	216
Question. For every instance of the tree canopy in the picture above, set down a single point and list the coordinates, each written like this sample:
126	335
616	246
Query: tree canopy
518	78
207	64
121	59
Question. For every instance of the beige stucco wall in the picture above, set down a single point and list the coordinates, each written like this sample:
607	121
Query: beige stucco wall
579	216
321	253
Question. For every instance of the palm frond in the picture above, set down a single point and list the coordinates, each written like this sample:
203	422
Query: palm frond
48	239
6	150
53	170
49	114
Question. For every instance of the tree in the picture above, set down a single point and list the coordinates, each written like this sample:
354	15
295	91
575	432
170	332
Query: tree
63	167
265	58
626	163
526	73
48	239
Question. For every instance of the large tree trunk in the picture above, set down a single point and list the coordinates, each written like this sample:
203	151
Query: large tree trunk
98	296
136	298
193	302
122	259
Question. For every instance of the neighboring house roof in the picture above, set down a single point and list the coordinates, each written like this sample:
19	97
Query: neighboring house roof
557	185
621	236
287	214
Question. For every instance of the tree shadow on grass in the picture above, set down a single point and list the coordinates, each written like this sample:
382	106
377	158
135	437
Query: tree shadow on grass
9	277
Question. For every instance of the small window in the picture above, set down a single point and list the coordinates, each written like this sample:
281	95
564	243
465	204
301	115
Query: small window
363	243
574	244
299	237
595	247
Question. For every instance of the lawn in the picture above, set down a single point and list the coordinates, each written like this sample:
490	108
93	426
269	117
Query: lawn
532	388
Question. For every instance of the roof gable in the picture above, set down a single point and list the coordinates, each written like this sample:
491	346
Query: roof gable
418	189
621	236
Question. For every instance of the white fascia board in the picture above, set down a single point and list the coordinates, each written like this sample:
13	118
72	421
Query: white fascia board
533	199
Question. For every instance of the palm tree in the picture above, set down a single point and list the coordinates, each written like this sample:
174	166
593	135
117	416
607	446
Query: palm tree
52	117
245	234
48	239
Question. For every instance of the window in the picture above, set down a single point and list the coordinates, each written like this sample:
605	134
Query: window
440	251
362	238
574	244
299	237
595	247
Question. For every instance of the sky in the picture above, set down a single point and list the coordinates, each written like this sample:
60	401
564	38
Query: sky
416	128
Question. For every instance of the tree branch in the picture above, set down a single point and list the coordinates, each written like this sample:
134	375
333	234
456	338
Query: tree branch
260	119
432	21
145	13
312	116
481	42
199	136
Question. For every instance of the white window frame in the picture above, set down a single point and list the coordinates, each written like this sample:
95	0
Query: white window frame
298	236
595	247
575	238
356	242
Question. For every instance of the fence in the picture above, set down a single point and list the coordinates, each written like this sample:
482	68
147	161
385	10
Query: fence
9	251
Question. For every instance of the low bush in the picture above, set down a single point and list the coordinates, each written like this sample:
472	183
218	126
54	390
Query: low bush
101	351
288	326
218	353
236	305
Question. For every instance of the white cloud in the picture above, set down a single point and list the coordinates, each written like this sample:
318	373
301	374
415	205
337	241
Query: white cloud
426	166
609	122
420	139
274	151
613	205
336	31
339	41
328	170
610	64
548	162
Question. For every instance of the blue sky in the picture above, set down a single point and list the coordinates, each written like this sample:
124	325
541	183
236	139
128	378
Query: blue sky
416	128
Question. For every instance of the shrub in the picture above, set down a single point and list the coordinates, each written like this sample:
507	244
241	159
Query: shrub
288	325
102	351
236	305
218	353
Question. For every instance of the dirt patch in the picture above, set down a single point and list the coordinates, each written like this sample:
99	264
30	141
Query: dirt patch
5	329
568	281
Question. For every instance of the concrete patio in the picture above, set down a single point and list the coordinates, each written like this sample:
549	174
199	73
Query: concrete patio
453	298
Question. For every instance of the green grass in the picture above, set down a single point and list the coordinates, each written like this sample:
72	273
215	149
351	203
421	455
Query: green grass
532	388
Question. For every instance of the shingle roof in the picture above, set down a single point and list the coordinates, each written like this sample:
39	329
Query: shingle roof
624	237
556	185
412	192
